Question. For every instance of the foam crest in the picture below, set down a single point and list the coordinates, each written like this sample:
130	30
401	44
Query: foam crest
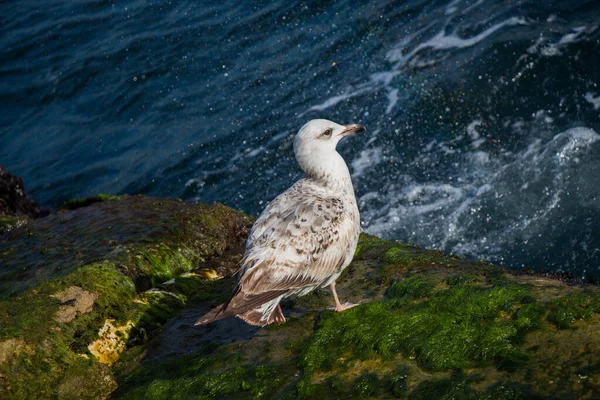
593	100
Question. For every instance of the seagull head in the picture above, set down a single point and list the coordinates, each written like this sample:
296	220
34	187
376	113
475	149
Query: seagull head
315	143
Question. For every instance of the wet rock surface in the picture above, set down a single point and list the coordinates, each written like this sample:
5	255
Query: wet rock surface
13	199
99	301
15	206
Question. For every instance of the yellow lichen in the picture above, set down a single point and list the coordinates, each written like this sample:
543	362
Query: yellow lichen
111	342
205	273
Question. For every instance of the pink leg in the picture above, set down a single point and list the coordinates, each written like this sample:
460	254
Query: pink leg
277	316
338	306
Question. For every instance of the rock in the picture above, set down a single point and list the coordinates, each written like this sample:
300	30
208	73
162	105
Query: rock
430	326
101	301
79	287
13	199
74	300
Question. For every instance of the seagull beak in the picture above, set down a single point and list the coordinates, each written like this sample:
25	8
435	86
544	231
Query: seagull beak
352	129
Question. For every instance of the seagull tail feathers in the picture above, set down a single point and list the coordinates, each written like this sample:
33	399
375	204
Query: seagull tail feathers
252	317
213	315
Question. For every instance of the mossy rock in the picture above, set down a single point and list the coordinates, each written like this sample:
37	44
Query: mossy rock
74	204
81	287
430	326
142	270
124	231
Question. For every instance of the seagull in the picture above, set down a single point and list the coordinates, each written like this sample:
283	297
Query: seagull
304	238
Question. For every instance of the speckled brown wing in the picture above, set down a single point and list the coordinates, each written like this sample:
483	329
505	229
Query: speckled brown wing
301	239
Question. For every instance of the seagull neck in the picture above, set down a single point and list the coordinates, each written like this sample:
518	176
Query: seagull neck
332	172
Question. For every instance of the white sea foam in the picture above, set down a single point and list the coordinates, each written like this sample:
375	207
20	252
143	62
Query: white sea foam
572	37
544	47
472	6
452	7
251	153
445	41
367	158
595	101
332	101
476	139
478	211
392	100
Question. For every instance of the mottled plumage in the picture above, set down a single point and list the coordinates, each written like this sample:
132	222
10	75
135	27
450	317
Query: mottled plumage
305	237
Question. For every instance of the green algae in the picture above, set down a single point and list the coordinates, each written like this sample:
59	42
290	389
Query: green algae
409	256
566	311
161	262
439	316
397	255
74	204
63	356
369	245
30	316
40	372
415	286
50	255
53	246
459	327
460	280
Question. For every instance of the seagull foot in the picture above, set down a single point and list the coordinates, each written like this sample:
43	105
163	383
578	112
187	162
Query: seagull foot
344	307
277	316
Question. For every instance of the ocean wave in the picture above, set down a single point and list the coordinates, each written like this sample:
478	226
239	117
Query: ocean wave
488	212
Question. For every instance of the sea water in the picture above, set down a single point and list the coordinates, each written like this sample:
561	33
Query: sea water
482	116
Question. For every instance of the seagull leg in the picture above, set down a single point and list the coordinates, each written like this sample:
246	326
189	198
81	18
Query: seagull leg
338	306
277	316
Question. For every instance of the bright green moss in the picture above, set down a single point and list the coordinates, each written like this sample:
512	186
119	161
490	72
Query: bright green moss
408	256
460	327
415	287
397	255
460	280
51	363
161	262
529	316
74	204
32	314
564	312
369	244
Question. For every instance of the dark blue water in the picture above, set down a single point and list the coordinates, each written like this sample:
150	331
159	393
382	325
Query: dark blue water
482	116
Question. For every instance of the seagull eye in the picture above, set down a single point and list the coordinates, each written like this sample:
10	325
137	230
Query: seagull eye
327	133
